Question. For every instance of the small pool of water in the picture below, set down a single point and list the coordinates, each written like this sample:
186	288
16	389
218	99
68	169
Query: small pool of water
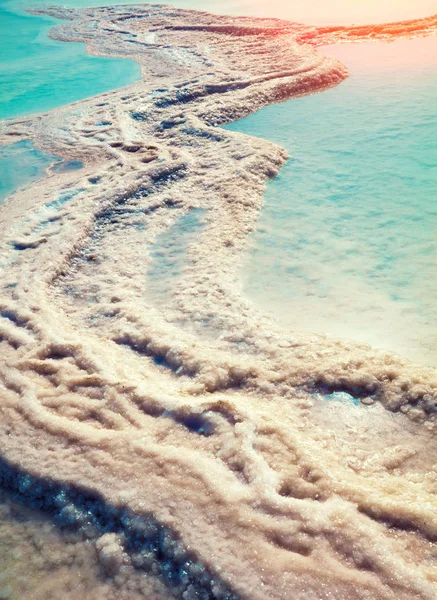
346	242
20	164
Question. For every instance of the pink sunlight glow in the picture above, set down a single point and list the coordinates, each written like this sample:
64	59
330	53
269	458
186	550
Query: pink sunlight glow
345	12
412	55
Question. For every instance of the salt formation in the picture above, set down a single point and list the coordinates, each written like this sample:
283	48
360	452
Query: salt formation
184	435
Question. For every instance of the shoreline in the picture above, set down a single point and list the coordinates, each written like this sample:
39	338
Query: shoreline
203	407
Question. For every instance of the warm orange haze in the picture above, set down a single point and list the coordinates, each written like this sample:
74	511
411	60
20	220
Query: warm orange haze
161	436
335	12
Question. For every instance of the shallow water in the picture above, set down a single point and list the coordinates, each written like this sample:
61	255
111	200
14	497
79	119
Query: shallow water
20	164
346	241
168	256
38	73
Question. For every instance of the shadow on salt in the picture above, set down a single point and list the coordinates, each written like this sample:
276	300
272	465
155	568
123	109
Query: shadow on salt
82	540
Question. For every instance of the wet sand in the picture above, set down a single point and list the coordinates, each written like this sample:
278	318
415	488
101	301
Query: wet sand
188	441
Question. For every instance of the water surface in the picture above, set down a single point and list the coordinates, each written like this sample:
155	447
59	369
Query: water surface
169	254
20	164
346	242
38	73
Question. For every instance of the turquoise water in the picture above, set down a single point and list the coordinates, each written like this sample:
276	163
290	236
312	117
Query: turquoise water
20	164
37	73
346	242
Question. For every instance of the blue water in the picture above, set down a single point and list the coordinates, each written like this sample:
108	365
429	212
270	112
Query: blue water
38	73
20	164
346	243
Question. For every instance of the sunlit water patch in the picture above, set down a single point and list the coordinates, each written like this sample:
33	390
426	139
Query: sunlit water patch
38	73
346	241
20	164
